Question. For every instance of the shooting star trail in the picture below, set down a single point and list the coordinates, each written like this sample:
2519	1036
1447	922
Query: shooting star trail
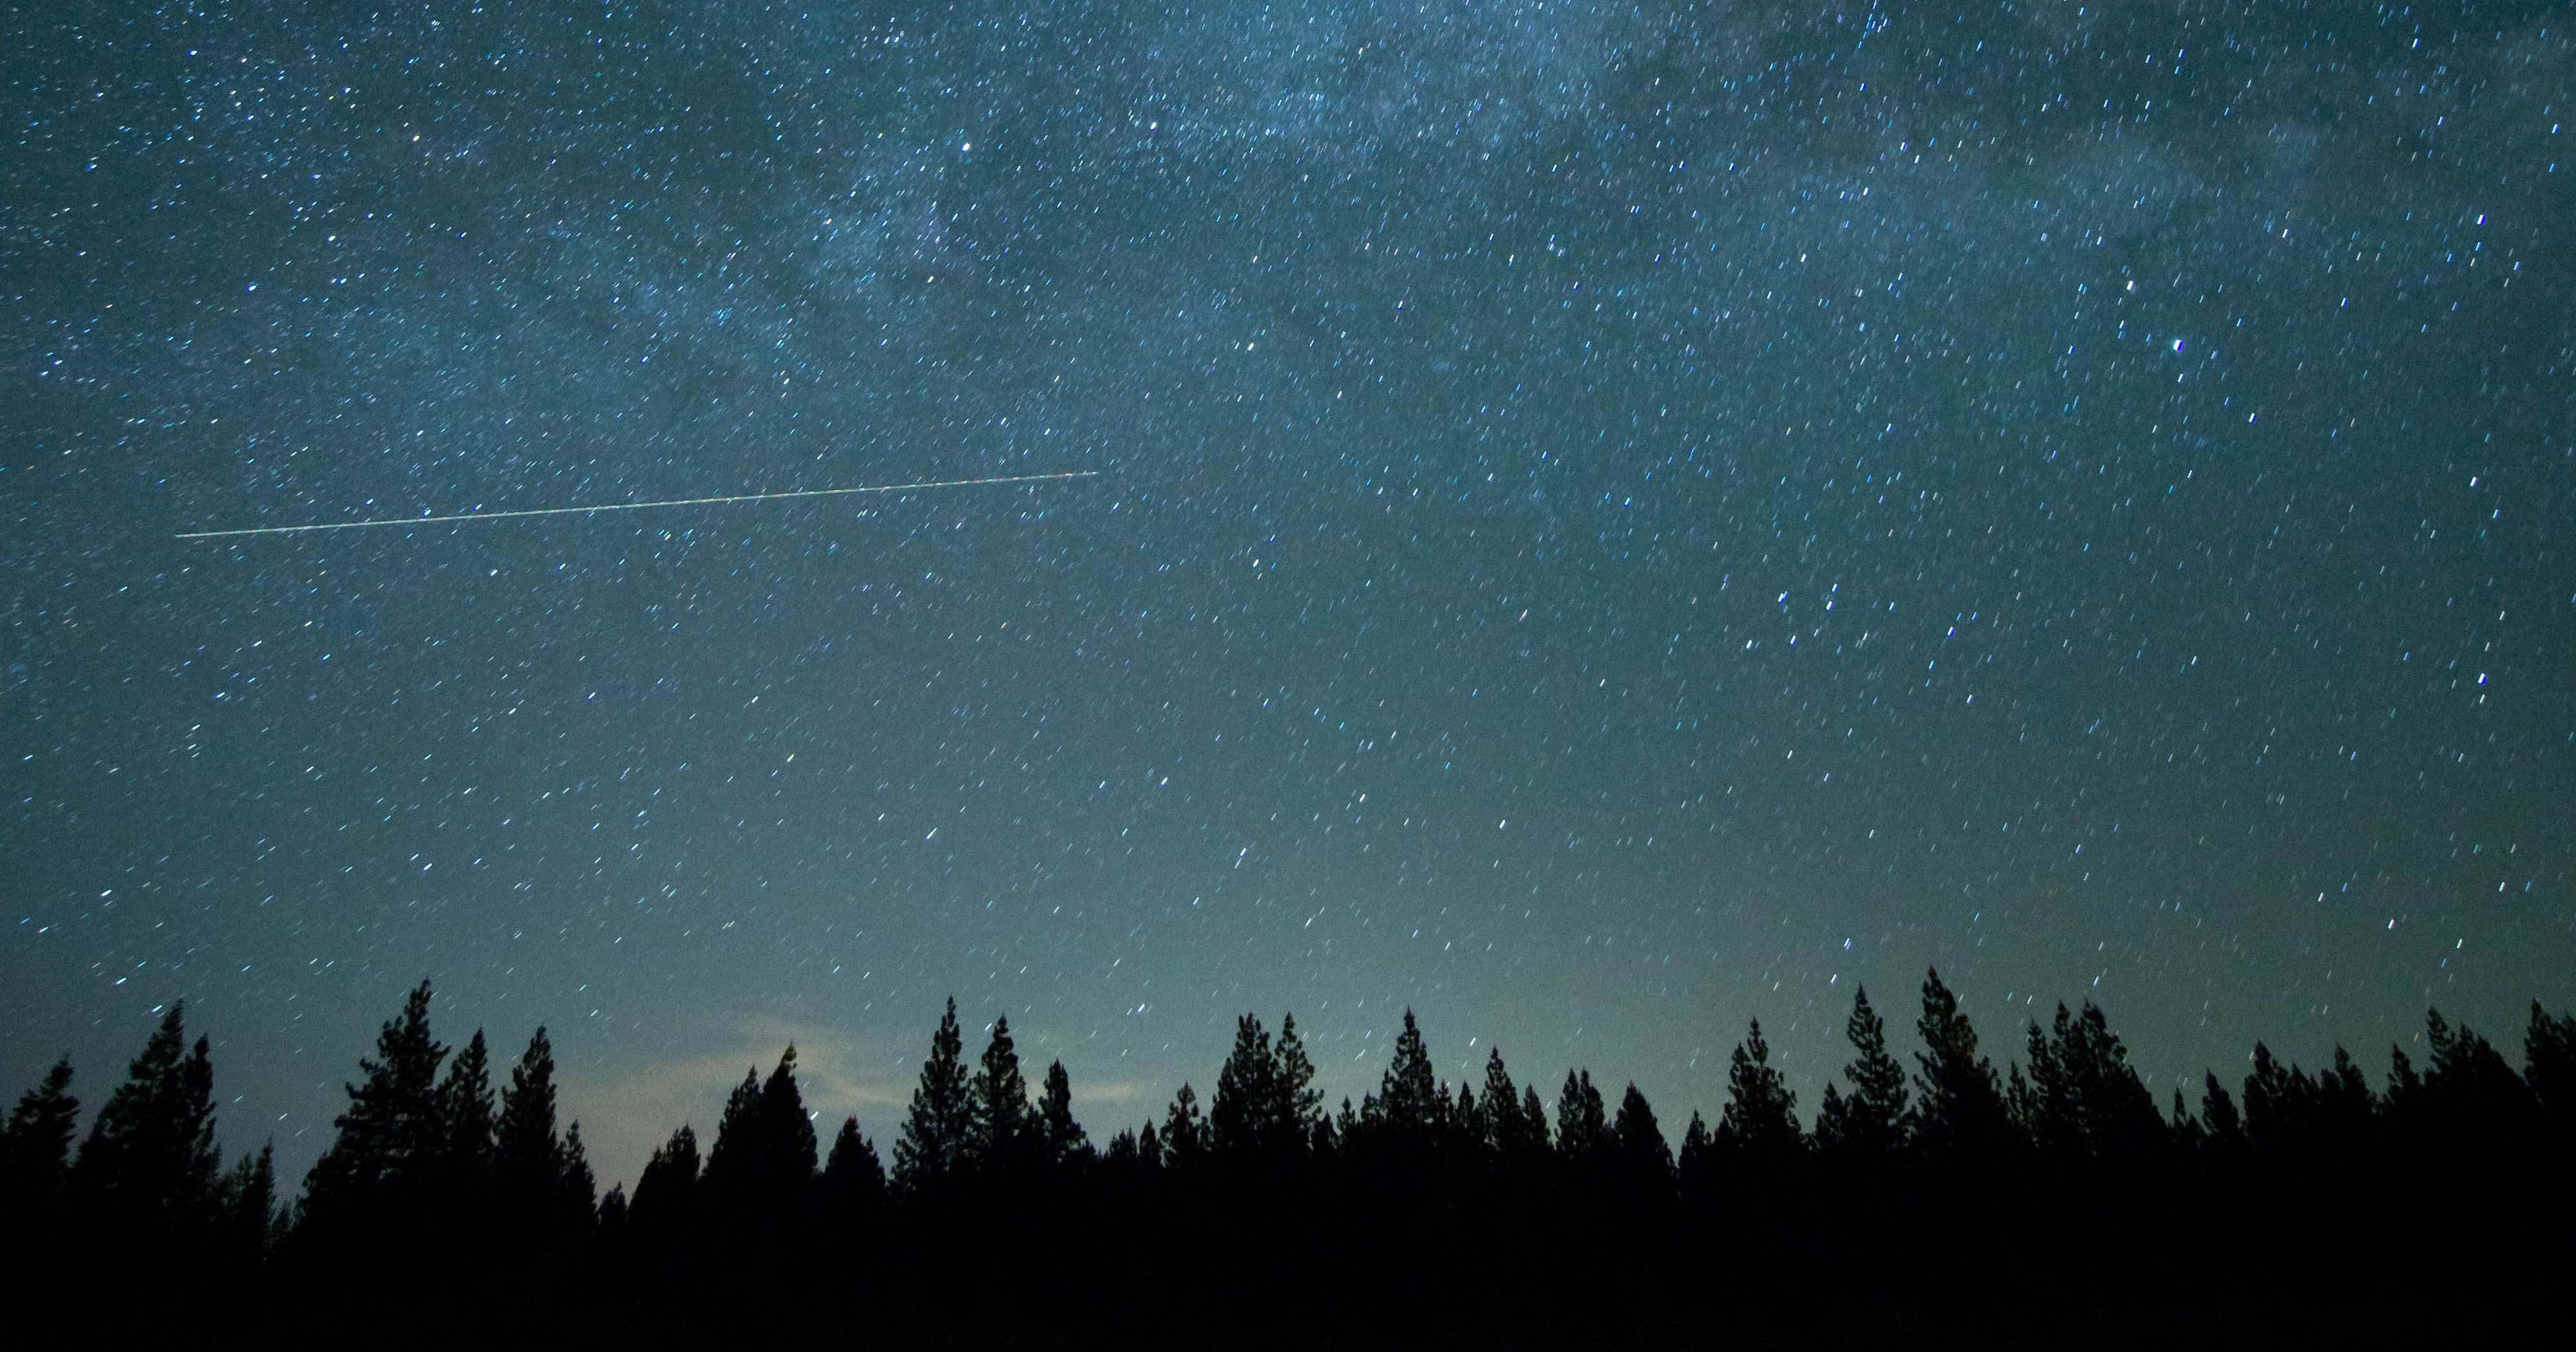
637	506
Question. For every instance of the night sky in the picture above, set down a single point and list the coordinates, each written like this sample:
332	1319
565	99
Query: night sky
1609	521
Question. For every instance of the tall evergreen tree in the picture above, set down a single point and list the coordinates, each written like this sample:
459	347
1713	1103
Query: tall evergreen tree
2082	1100
1245	1118
2549	1058
1698	1165
465	1111
389	1139
853	1185
1582	1124
247	1203
2222	1127
1519	1138
1005	1135
1185	1134
1760	1121
1066	1145
938	1132
576	1188
150	1159
1408	1096
665	1200
527	1152
1300	1107
1870	1122
1644	1158
2470	1088
1960	1100
764	1153
2280	1104
35	1149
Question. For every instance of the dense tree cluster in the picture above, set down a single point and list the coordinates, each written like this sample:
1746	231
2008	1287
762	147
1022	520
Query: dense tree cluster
431	1164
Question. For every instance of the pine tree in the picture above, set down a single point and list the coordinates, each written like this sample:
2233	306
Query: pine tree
1699	1158
1582	1126
247	1203
1960	1098
999	1095
939	1129
2222	1128
150	1159
389	1140
1185	1140
465	1112
576	1188
2279	1104
1871	1122
666	1192
1408	1097
1244	1119
1300	1108
1534	1121
35	1150
853	1184
1760	1121
2081	1100
2549	1055
1066	1145
1518	1133
527	1154
1643	1156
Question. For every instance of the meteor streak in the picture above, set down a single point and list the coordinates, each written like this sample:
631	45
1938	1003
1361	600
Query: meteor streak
637	506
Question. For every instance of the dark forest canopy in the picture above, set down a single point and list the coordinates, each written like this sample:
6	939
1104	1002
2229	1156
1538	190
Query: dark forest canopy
432	1160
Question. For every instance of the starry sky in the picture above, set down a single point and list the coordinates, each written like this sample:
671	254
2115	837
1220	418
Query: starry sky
1608	521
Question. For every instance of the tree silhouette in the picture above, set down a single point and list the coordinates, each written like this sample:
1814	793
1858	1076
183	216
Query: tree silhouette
1960	1101
1005	1135
2549	1057
35	1150
938	1131
465	1117
853	1185
390	1136
1870	1123
247	1204
1760	1123
1582	1124
2222	1127
1644	1159
666	1192
1185	1135
1064	1142
1515	1124
527	1152
1405	1112
2082	1101
150	1159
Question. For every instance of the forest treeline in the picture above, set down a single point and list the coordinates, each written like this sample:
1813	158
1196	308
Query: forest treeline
997	1216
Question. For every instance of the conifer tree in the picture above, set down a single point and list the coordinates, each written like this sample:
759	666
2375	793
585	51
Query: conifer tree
576	1188
1644	1158
1245	1118
2469	1086
1582	1125
1185	1141
247	1202
2279	1104
764	1153
2549	1060
1534	1120
527	1153
999	1094
150	1159
1470	1134
1870	1123
1299	1107
853	1184
389	1139
465	1111
2082	1100
1066	1145
1960	1101
2222	1128
939	1130
1760	1121
1408	1097
666	1192
1699	1157
35	1149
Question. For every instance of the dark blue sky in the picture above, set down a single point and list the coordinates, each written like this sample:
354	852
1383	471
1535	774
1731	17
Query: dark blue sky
1610	521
